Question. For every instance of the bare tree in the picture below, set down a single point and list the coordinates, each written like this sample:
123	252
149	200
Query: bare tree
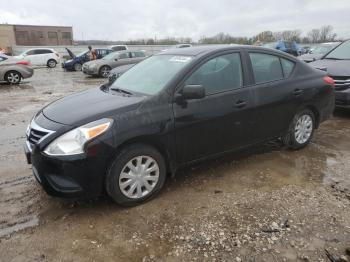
314	35
288	35
326	34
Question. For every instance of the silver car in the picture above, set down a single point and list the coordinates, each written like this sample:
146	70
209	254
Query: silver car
13	70
102	67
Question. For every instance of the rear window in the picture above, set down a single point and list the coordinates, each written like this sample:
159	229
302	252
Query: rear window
266	67
42	51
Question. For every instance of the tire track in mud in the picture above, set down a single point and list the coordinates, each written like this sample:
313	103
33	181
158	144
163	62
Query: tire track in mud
18	204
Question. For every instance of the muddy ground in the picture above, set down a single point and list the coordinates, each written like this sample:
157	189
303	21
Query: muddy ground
261	204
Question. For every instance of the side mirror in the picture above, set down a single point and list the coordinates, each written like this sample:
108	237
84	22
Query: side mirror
191	92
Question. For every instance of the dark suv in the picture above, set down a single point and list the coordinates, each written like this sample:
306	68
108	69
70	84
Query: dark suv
174	108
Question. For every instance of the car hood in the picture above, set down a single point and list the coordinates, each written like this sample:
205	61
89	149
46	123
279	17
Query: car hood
97	62
70	53
334	67
90	105
310	57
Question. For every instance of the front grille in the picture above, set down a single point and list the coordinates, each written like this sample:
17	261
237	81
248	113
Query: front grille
341	83
35	136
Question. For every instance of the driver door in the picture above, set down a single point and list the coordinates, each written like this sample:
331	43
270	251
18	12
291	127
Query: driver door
220	121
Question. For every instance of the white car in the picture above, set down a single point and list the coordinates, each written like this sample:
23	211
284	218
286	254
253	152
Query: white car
41	57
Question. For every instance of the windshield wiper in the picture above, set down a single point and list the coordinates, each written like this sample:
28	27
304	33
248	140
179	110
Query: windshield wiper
333	58
121	90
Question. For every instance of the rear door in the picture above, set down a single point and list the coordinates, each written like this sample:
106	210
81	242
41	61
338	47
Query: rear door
275	94
220	121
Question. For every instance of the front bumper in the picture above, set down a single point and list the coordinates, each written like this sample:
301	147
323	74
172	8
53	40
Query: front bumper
88	71
73	176
342	98
81	175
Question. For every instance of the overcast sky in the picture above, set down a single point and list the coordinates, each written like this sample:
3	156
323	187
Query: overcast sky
132	19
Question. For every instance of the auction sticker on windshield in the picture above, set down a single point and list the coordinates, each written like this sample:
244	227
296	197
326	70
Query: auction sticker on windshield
182	59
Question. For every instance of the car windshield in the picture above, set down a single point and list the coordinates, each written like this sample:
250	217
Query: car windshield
342	52
322	49
110	56
151	75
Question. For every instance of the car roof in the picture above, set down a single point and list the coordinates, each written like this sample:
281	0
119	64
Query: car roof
37	48
203	50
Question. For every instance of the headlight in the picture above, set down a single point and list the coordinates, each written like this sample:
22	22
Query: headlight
73	142
93	66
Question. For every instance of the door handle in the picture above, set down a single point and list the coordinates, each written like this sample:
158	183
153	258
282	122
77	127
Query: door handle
298	92
241	104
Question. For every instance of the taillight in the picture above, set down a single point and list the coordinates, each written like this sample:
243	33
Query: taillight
23	63
57	54
329	81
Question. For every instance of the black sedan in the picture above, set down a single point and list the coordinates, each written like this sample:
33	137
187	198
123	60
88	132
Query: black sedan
174	108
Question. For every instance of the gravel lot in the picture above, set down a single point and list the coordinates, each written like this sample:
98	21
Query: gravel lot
261	204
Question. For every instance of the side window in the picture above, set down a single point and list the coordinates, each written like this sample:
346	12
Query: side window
287	66
137	54
219	74
124	55
42	51
266	67
30	52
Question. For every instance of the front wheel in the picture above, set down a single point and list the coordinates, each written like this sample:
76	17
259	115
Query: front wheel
77	67
104	71
301	130
13	77
137	174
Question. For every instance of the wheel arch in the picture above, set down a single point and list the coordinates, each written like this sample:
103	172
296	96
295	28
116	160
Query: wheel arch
149	141
316	113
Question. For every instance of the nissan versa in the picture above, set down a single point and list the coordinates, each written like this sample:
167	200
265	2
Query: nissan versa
171	109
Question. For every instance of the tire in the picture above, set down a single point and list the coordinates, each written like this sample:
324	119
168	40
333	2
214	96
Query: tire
134	190
300	130
77	67
13	77
51	63
104	71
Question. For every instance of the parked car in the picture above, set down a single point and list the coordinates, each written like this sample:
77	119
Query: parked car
318	52
76	62
285	46
177	46
13	70
337	64
41	57
174	108
102	67
119	47
117	72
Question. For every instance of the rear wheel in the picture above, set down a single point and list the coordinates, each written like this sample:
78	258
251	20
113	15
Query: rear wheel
104	71
137	174
51	63
13	77
301	130
77	67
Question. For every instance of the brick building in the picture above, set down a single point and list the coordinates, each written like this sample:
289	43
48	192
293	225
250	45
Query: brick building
33	35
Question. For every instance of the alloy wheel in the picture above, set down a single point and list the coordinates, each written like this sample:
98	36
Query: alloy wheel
303	129
139	177
105	71
13	77
52	64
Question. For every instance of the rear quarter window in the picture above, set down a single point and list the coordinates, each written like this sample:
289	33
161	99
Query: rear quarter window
287	67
